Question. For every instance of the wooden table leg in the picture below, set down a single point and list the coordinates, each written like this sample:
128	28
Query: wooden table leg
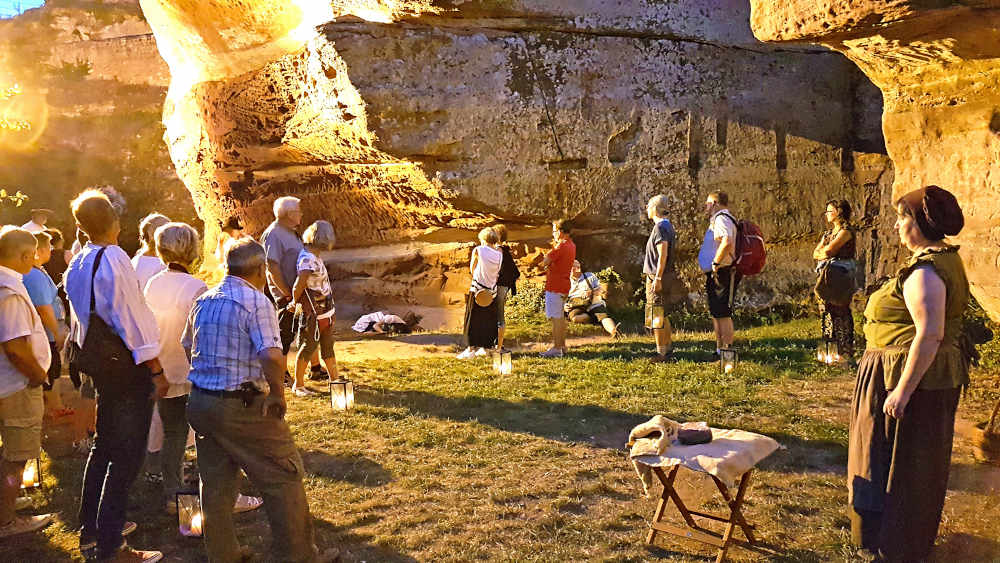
668	489
735	514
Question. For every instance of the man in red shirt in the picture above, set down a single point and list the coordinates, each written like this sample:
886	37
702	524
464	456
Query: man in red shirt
558	264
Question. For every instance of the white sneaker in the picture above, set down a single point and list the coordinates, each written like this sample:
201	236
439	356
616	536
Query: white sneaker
481	352
466	354
246	504
303	392
552	353
25	524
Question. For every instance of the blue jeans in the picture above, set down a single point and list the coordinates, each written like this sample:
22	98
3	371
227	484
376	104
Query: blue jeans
124	410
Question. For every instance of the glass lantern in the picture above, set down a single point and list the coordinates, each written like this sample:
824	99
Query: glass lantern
828	352
190	520
342	394
654	316
31	478
728	359
503	362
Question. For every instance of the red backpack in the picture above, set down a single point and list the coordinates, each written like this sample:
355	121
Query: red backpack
751	255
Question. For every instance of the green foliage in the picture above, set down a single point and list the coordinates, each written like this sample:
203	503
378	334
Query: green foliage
528	306
74	71
13	200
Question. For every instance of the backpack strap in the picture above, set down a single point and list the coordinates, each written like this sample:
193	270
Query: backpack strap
93	277
731	218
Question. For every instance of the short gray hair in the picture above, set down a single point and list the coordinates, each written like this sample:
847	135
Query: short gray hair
320	234
14	241
178	243
149	224
284	204
659	204
489	236
244	257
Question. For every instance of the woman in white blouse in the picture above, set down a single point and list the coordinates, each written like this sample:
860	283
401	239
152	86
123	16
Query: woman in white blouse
481	321
146	263
170	294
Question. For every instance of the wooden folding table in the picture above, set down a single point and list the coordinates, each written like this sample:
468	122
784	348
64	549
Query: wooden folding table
729	459
693	531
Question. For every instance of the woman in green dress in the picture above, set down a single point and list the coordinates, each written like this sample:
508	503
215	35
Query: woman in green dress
908	386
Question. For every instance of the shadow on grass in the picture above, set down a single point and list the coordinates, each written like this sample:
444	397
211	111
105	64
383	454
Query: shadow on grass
355	546
554	421
356	470
966	547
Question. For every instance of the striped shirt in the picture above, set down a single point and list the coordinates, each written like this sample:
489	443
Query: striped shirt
228	327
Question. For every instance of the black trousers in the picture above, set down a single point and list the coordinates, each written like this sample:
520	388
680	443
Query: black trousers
124	410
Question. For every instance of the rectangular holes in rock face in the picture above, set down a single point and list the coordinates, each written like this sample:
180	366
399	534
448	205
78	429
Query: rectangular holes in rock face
695	135
780	150
620	144
567	164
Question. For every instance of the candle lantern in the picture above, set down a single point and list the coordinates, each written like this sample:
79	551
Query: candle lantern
654	316
342	394
728	359
503	362
828	352
190	520
31	477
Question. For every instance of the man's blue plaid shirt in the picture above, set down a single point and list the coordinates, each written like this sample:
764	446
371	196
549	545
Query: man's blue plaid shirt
228	327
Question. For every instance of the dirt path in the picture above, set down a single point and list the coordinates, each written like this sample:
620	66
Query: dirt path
357	348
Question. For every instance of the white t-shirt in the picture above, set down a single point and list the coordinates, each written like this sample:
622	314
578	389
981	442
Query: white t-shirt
33	227
720	225
19	319
170	296
318	282
488	266
146	267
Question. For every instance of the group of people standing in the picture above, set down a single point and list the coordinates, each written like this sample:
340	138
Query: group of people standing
212	359
572	295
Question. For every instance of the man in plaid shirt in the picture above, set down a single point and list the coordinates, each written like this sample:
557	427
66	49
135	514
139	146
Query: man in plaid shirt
237	409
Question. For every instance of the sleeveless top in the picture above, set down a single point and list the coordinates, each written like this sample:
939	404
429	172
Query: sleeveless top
889	326
848	250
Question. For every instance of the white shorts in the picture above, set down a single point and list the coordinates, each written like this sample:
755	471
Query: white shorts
554	303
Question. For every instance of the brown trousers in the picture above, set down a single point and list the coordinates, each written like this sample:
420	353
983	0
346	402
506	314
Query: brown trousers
229	437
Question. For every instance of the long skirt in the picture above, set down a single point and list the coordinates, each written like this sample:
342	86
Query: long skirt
480	323
897	470
838	326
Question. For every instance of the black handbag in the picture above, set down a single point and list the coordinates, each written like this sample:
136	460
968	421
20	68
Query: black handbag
103	352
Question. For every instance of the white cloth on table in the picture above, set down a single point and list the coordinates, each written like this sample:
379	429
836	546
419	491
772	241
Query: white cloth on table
729	455
119	300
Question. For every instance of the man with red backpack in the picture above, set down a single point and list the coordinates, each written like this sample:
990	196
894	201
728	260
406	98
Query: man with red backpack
717	259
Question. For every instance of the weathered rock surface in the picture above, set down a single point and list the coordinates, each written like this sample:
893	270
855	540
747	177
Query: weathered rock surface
938	66
397	119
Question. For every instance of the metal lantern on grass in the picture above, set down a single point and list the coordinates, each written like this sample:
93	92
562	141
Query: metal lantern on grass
31	477
342	394
503	363
828	352
654	316
728	359
190	520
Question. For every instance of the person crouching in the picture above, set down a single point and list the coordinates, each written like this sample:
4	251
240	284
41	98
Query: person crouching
585	303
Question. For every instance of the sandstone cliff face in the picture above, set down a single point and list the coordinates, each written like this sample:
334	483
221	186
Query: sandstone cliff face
938	66
94	86
407	121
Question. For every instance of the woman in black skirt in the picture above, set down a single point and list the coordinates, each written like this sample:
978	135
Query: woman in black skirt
481	319
908	385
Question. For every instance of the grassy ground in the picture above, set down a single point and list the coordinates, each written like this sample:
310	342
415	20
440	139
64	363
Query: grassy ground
443	461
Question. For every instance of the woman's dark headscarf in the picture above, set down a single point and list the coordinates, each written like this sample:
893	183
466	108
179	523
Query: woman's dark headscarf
935	210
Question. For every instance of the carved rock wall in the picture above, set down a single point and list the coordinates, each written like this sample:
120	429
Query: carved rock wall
938	66
400	120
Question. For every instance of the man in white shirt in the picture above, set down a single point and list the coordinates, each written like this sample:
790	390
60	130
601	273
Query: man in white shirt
38	219
24	360
716	257
125	395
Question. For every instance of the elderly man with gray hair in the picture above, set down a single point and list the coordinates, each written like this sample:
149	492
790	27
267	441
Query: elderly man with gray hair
658	271
282	246
24	359
237	409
